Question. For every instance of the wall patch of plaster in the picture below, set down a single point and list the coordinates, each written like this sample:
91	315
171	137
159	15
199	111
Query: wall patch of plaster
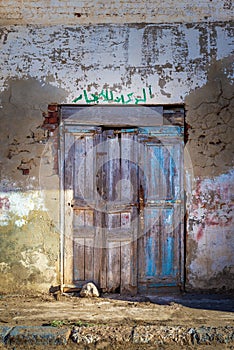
19	206
177	55
211	226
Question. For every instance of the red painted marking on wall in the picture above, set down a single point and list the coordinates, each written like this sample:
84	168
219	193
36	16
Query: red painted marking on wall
199	233
212	204
4	203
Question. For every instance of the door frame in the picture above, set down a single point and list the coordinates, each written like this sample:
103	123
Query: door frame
105	115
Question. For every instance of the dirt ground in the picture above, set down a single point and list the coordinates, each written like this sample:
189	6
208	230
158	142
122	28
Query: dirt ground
115	311
191	310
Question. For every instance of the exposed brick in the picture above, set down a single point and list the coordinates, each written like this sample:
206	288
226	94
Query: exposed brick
53	120
53	107
25	171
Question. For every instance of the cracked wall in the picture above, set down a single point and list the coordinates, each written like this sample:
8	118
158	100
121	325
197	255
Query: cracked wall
189	63
210	265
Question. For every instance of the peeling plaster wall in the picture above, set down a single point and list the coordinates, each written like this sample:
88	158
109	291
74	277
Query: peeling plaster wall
29	235
211	262
173	59
210	194
114	11
159	63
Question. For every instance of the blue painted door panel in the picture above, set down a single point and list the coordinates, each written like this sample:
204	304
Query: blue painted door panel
161	201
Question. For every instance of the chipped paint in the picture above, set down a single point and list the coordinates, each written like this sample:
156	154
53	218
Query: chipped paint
172	59
18	205
114	11
38	260
212	204
20	222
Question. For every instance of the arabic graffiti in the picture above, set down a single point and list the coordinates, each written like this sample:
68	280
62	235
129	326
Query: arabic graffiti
109	96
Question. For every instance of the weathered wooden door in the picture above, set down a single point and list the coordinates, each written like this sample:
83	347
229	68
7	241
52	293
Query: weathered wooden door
123	218
160	245
101	219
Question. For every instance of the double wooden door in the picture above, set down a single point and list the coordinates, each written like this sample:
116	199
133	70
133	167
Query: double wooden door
123	208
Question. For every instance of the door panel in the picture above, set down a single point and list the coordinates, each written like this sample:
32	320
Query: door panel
100	207
120	210
80	214
159	246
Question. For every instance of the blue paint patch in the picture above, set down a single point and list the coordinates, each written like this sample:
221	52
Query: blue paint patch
150	257
128	130
172	174
168	257
162	130
162	284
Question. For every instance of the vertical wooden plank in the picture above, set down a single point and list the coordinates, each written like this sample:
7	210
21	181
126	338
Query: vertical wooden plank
167	179
100	259
153	174
141	198
89	246
177	166
113	266
178	242
161	170
113	251
141	268
134	214
126	261
89	168
89	268
179	193
126	190
173	164
168	244
97	255
68	196
103	258
79	167
97	216
113	192
113	195
129	219
79	259
129	222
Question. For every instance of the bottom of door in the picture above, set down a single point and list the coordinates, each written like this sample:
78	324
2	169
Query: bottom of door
143	289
